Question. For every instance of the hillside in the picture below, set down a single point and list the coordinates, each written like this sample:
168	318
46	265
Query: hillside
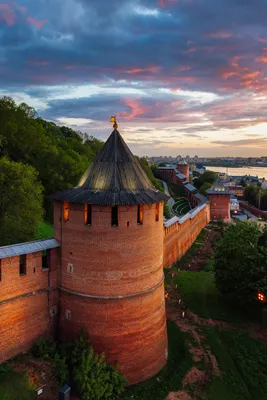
37	158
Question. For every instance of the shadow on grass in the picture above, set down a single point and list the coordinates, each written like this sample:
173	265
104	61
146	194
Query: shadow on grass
170	377
15	386
243	362
200	294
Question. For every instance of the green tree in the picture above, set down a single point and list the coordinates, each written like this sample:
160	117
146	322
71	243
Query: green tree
59	154
240	263
207	177
93	377
250	194
205	187
21	197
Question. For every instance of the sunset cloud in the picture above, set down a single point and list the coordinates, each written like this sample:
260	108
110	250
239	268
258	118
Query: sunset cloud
194	70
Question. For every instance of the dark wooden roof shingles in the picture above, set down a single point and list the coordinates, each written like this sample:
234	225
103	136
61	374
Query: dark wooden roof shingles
115	178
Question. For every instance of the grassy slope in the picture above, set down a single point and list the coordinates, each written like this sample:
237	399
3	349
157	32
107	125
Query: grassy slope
176	191
191	252
45	231
15	386
170	378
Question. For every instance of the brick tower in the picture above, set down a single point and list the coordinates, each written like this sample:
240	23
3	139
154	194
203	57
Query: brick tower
110	228
183	168
219	202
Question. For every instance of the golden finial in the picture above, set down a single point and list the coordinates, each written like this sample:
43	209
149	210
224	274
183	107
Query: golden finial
113	119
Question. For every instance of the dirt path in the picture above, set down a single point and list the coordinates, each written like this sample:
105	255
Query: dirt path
204	253
40	375
201	354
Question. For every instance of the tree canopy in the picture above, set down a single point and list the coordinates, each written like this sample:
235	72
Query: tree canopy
241	262
21	198
206	177
58	156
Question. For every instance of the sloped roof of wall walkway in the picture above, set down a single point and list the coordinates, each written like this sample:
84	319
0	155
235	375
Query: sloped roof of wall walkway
27	247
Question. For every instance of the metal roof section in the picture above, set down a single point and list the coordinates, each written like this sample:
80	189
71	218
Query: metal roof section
14	250
191	214
115	178
181	176
190	187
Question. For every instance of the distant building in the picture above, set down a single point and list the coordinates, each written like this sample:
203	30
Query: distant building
200	168
183	168
219	198
234	204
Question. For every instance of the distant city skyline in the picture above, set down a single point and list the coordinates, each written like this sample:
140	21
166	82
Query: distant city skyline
182	76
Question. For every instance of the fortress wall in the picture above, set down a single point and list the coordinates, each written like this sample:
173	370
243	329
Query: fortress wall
28	303
181	234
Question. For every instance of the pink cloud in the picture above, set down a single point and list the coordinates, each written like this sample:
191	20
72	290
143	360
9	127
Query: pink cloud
36	23
20	8
165	3
191	50
146	69
135	107
219	35
7	14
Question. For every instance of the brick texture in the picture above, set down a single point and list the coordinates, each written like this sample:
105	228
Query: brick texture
131	331
26	301
219	207
101	260
180	237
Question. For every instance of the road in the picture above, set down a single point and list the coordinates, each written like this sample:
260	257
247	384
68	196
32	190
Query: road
171	201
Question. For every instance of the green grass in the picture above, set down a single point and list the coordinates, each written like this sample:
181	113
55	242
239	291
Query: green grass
176	191
243	364
15	386
201	296
181	207
170	377
45	231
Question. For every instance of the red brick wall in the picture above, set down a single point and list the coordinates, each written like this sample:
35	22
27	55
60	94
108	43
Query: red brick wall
180	237
108	260
25	303
131	331
219	206
115	261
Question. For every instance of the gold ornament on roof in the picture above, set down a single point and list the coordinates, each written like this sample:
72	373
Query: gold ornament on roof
113	119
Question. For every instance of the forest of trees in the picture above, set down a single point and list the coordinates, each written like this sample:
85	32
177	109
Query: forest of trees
256	196
37	158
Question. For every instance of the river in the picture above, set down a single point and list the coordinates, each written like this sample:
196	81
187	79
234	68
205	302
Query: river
260	172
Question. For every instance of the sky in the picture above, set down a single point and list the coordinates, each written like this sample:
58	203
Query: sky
182	76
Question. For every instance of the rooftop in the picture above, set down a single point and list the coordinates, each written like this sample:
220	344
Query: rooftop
115	178
27	247
217	188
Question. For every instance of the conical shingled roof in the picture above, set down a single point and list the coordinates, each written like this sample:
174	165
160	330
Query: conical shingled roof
115	178
217	188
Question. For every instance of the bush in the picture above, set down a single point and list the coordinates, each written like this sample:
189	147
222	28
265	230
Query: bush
44	349
60	369
5	367
93	377
240	263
